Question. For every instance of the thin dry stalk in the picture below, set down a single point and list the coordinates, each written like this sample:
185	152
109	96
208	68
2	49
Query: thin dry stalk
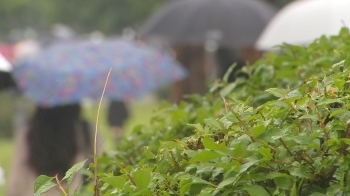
60	186
96	190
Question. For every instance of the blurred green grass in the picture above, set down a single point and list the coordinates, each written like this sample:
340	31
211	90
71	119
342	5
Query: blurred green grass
140	113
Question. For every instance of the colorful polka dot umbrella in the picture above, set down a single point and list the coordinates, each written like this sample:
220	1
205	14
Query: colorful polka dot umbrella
66	73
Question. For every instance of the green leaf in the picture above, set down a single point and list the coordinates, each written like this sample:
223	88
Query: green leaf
212	123
309	116
301	172
116	181
272	175
336	112
339	82
278	103
228	72
284	183
281	93
42	185
197	126
329	101
171	145
302	103
295	93
317	194
196	189
246	166
228	181
339	64
142	178
210	144
334	189
185	185
144	192
239	150
257	130
311	104
205	156
201	181
266	152
72	171
256	190
227	90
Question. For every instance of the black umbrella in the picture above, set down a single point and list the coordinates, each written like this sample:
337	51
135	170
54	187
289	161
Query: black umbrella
232	23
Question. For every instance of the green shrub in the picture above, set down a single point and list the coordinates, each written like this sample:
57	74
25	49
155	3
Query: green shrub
290	67
285	131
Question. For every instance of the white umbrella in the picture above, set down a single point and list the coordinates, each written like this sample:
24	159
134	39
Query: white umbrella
302	21
5	66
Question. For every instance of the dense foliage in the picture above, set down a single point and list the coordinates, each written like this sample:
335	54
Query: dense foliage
285	131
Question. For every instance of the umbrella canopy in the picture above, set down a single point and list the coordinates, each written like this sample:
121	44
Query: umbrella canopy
66	73
232	23
300	22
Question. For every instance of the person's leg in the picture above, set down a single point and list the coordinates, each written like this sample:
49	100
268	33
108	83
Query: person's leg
117	114
192	58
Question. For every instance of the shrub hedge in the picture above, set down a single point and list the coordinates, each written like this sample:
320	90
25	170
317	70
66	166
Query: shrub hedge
283	131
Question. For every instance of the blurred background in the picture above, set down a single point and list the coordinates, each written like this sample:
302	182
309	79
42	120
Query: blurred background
43	22
48	21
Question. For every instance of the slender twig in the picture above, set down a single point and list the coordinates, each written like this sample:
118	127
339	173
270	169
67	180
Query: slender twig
60	186
285	117
96	189
169	187
304	153
307	161
308	125
127	173
175	161
242	161
251	136
322	124
346	135
347	132
325	87
146	148
283	162
225	104
299	126
261	114
285	146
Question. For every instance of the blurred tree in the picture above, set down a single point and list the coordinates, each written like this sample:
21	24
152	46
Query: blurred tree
107	16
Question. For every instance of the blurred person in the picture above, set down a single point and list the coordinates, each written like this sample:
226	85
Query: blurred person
53	140
117	114
193	59
225	57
